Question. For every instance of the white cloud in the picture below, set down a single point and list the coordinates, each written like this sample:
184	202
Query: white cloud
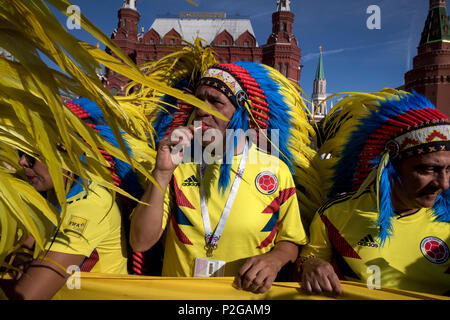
310	56
261	14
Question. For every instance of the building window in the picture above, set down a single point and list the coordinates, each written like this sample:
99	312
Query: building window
284	28
246	44
124	24
113	91
286	68
280	66
224	42
172	41
152	41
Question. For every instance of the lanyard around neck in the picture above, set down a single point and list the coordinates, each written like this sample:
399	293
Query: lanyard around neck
213	239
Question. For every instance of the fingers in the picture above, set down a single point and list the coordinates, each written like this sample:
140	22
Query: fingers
238	280
182	136
307	287
257	283
250	280
255	276
328	285
318	277
192	129
265	284
335	284
171	147
322	285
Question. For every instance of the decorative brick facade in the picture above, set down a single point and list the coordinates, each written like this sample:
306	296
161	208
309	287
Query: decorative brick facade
231	38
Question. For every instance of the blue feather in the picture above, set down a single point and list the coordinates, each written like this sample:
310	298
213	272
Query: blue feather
279	117
239	121
165	117
442	207
384	222
91	108
128	178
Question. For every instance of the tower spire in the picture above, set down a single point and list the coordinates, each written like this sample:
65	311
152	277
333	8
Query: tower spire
438	3
129	4
437	24
320	73
320	90
283	5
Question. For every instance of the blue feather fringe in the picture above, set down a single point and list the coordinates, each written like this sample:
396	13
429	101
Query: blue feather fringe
279	118
384	222
165	117
91	108
239	121
129	179
442	207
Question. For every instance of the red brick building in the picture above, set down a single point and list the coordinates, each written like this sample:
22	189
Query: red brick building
431	67
232	38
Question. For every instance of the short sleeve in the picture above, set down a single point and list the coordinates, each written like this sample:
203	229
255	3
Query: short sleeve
87	222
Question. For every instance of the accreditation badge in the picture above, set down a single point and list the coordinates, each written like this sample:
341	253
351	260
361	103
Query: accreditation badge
205	268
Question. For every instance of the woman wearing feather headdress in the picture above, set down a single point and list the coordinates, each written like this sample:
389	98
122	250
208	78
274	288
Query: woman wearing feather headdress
388	220
92	235
238	216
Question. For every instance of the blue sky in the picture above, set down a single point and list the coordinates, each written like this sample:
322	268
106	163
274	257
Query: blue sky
355	58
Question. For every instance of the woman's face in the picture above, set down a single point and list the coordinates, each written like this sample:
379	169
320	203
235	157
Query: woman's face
37	173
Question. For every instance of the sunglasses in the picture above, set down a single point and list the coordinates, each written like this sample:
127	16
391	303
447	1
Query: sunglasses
30	160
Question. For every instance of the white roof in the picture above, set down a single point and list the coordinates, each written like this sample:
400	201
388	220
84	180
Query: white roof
207	29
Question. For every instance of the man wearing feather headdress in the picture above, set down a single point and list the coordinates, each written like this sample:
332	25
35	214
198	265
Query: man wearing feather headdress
388	221
238	217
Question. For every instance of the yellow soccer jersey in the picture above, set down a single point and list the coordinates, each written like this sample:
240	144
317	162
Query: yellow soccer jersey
93	228
264	212
416	257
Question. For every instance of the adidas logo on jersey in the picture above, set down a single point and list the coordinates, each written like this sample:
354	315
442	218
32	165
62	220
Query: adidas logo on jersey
368	241
191	182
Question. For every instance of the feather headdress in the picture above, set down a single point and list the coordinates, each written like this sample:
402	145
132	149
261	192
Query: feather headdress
265	101
364	133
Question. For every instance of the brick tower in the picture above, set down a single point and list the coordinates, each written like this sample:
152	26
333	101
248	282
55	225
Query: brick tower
281	51
431	67
126	37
